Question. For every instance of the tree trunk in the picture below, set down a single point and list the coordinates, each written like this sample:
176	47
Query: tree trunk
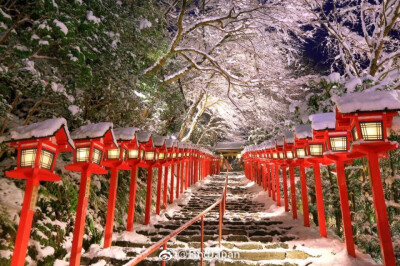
190	114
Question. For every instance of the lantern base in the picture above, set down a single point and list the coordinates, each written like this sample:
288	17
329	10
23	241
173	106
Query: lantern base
28	172
116	164
378	147
90	167
321	160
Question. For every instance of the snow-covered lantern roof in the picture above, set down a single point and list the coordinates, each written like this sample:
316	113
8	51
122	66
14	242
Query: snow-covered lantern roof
302	133
127	150
289	144
324	131
38	146
159	143
91	142
368	114
280	141
320	123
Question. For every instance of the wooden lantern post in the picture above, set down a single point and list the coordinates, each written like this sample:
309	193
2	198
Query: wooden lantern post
115	159
38	146
91	142
370	116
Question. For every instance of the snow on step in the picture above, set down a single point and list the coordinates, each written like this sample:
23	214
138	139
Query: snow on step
255	231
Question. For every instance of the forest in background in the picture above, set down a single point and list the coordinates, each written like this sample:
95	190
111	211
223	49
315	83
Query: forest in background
203	71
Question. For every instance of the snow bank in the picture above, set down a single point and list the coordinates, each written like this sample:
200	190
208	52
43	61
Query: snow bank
126	133
323	121
367	101
47	128
303	131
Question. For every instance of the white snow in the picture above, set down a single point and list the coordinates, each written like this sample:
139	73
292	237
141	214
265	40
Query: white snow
43	42
289	136
144	23
367	101
303	131
5	15
126	133
21	48
332	78
396	124
352	83
11	198
92	130
139	94
29	66
74	109
130	237
323	121
92	17
113	252
41	129
61	26
279	141
143	136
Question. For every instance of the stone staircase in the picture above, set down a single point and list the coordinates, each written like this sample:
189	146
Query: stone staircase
248	237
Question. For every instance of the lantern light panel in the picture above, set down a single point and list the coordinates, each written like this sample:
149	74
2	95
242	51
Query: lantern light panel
133	154
338	143
300	153
371	130
316	149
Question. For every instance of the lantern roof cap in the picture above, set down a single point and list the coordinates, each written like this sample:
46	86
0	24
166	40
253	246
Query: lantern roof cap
94	131
289	136
158	141
169	142
323	121
303	131
143	136
279	140
125	133
365	101
43	129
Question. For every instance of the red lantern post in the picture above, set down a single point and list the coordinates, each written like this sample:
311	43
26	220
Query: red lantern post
133	159
303	133
151	147
91	142
38	146
115	160
371	114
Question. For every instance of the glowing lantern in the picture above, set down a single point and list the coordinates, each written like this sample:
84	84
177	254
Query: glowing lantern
38	146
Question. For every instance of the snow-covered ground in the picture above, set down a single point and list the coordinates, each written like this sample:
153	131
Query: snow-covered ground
329	251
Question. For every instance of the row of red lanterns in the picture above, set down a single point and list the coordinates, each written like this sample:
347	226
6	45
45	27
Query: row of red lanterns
359	127
98	149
